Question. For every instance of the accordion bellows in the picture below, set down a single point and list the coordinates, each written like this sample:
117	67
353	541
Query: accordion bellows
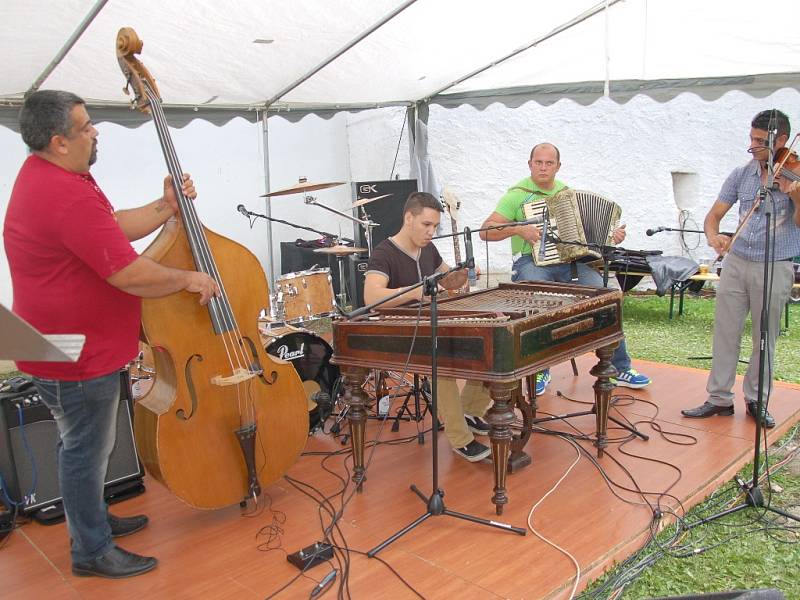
577	218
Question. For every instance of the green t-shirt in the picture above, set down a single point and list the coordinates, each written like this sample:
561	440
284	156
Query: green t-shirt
510	206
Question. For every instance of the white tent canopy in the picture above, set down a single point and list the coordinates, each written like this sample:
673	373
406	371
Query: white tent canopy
251	55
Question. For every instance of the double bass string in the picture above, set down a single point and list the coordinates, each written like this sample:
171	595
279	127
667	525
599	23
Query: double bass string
220	306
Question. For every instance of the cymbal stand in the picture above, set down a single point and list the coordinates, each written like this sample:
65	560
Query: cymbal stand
365	223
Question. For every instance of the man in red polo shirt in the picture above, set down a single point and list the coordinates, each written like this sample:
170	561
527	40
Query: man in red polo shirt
73	270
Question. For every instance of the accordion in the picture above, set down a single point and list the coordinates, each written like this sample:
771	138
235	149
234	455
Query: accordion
574	218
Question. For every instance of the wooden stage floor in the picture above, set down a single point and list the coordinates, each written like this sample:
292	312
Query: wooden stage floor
221	554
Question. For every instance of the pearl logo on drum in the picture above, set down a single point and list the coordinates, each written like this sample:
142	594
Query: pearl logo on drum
285	354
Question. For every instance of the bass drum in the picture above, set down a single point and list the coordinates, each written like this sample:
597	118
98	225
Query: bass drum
310	356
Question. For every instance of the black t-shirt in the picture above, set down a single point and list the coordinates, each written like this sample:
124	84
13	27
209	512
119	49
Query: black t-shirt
401	269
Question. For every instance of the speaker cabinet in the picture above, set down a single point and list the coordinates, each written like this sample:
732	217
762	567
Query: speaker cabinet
357	270
388	211
28	463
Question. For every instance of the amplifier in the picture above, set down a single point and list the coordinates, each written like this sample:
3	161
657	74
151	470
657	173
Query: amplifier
22	456
388	210
357	270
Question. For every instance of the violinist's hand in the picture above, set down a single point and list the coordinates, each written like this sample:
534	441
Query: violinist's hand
618	236
169	191
718	242
793	189
477	271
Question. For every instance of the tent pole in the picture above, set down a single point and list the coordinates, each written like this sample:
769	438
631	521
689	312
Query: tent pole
267	199
604	5
340	51
87	20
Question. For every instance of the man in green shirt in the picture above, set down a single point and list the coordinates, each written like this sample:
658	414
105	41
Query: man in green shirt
544	163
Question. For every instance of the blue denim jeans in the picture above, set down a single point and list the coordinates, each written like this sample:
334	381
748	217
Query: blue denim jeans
86	416
525	270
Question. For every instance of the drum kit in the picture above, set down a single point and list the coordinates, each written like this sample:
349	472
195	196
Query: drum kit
298	299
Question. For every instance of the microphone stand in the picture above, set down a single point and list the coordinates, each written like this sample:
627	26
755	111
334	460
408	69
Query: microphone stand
317	231
753	495
678	229
435	502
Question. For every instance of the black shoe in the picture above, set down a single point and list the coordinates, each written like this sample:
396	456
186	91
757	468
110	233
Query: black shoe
474	451
477	425
115	564
707	410
766	418
122	526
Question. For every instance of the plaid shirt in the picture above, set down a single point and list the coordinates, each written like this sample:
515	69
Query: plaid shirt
742	185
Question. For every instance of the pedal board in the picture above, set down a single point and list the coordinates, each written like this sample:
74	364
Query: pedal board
311	556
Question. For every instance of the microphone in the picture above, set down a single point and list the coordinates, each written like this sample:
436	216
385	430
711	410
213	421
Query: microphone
654	231
532	221
469	258
543	239
243	210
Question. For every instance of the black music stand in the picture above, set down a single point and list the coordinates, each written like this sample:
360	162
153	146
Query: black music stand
435	503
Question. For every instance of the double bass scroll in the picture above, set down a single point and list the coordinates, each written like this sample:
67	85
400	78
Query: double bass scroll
223	417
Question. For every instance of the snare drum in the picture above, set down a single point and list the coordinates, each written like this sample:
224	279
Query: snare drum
310	356
305	295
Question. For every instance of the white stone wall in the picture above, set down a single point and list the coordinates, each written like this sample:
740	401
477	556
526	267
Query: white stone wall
627	152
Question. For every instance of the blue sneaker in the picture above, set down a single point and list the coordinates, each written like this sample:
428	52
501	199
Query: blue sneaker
542	381
631	378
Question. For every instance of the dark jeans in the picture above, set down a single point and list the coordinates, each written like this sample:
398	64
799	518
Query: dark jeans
86	416
525	270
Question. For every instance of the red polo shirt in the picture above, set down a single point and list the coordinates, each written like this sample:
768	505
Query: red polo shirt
62	241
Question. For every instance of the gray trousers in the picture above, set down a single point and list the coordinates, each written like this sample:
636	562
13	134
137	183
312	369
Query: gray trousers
740	292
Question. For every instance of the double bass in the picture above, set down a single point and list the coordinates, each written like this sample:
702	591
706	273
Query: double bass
223	417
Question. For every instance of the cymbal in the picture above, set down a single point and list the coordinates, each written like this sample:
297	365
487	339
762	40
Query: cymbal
340	250
302	187
363	201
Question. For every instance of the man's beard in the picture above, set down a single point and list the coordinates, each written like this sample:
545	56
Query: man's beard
93	155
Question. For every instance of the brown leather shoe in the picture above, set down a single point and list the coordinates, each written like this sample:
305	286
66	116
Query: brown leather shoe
707	410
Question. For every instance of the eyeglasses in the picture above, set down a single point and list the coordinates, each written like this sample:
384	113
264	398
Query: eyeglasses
544	163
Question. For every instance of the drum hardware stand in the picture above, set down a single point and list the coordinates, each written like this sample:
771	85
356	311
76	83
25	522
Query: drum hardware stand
324	234
435	502
414	390
365	223
751	489
418	415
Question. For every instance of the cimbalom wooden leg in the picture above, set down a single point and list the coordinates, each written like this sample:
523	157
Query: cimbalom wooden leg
603	370
356	402
500	417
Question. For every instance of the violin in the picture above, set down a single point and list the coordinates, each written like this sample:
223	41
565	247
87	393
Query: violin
787	164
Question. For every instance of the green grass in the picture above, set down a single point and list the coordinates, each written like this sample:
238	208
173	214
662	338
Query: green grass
651	335
748	549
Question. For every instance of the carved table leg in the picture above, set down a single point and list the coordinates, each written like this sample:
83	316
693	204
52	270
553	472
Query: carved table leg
500	417
603	370
356	403
519	458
